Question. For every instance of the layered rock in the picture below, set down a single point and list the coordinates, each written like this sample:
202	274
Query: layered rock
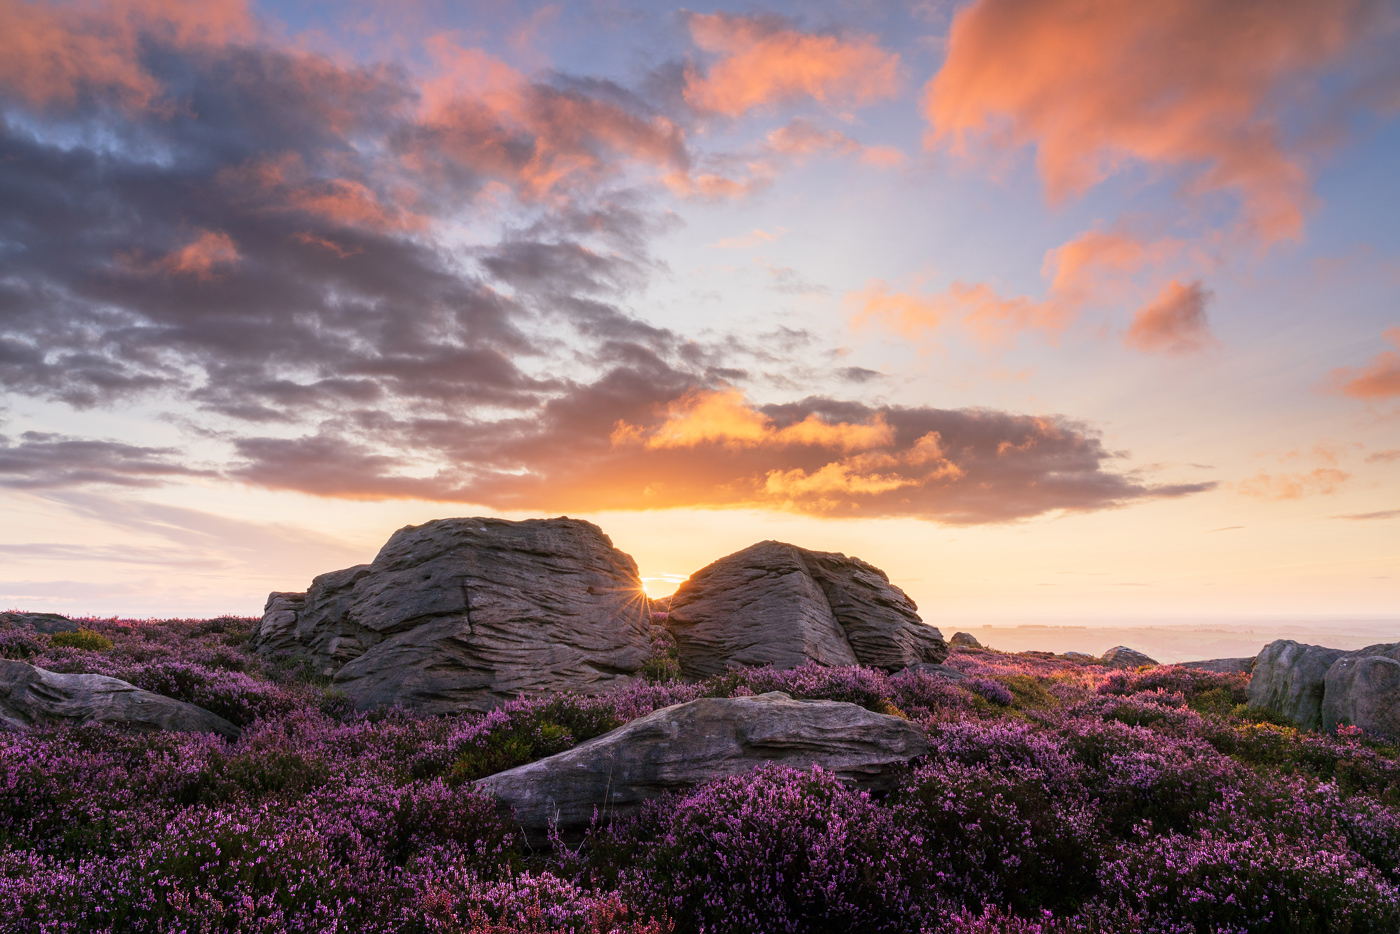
1120	656
30	696
1289	679
685	745
1228	666
780	605
47	623
1364	690
466	613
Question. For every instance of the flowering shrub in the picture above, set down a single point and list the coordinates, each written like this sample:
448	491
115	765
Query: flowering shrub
84	639
1056	798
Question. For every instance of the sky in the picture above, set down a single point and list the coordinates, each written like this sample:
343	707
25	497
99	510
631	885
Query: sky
1052	309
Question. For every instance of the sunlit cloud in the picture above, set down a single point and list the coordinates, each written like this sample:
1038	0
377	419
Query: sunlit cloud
763	62
1189	85
1174	323
1378	380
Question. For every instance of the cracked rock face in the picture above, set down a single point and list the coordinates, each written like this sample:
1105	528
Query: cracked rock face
31	696
780	605
466	613
1290	678
1363	689
685	745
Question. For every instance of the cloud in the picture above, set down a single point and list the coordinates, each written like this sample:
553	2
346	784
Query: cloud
1096	269
1320	482
763	62
1378	380
1188	85
42	460
1384	457
1379	515
603	447
1174	323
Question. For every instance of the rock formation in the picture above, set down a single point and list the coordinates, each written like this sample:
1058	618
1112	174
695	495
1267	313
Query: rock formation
1289	679
1364	690
685	745
47	623
1228	666
1079	657
30	696
965	639
1120	656
466	613
935	671
780	605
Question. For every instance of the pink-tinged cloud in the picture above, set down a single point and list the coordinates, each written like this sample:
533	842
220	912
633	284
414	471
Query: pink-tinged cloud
1269	486
202	257
480	115
1096	269
764	63
53	53
1194	85
1378	380
1174	323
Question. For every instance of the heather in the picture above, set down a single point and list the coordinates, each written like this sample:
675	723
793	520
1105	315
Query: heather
1056	797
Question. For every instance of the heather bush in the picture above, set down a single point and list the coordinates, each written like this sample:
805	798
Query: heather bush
1056	797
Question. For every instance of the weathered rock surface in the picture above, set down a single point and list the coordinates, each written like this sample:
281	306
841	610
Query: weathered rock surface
47	623
965	638
466	613
1363	691
780	605
1120	656
30	696
1079	657
1226	666
685	745
936	671
1289	679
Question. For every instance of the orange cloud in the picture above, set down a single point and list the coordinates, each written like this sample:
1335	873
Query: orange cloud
1319	482
1190	84
1174	323
723	416
762	63
1380	379
1095	269
54	52
201	258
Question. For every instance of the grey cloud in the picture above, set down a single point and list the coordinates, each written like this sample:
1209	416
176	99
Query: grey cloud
41	460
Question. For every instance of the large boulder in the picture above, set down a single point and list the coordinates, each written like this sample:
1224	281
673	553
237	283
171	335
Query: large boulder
1120	656
1363	691
47	623
466	613
31	696
1289	679
780	605
685	745
965	639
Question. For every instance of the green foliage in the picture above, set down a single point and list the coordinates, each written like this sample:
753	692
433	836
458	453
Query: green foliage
84	639
527	733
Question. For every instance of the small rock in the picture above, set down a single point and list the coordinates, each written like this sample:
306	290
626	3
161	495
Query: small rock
965	639
1079	657
1120	656
47	623
1224	666
30	696
780	605
685	745
936	671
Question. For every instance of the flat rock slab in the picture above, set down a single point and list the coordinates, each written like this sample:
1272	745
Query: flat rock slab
680	747
32	696
780	605
467	613
1224	666
936	671
47	623
1120	656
